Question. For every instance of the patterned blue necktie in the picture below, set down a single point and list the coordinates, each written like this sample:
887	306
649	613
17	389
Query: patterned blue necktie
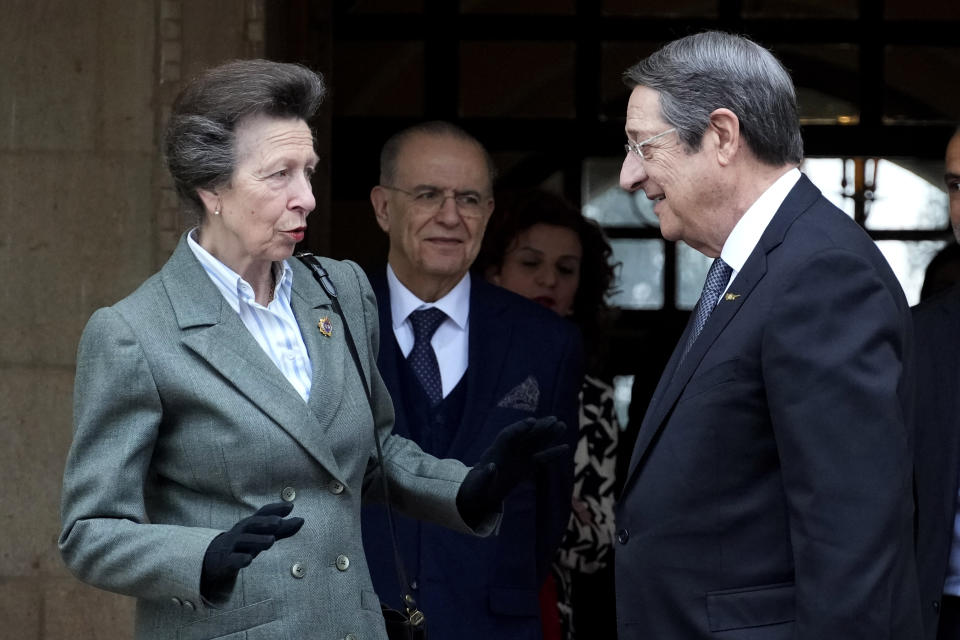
716	282
422	358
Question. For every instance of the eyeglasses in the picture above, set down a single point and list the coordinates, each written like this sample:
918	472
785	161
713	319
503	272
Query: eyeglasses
641	148
470	204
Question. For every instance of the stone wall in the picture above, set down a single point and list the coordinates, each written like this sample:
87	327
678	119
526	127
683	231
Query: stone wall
86	214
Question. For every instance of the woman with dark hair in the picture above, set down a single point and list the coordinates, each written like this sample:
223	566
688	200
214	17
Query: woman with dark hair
540	246
233	387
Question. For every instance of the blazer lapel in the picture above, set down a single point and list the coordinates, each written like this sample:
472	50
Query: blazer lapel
668	391
212	330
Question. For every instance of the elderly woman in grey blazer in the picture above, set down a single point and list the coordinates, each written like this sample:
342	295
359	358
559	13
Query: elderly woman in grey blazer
222	395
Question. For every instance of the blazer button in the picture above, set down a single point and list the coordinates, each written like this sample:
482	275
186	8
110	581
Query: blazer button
349	636
343	562
175	600
623	535
289	494
936	606
189	605
336	488
298	570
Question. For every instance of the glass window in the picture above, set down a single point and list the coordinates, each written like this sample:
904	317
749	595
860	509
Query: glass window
622	391
567	7
617	57
917	85
662	8
692	267
640	278
827	174
386	6
608	204
909	260
903	199
827	81
921	10
800	9
902	193
365	86
539	83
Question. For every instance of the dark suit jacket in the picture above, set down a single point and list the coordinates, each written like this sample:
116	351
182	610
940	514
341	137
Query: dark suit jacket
769	493
936	322
487	588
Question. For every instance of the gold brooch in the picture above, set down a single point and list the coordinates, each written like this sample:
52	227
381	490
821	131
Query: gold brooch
731	296
325	326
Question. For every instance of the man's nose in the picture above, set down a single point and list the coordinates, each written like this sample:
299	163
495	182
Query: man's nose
632	173
447	213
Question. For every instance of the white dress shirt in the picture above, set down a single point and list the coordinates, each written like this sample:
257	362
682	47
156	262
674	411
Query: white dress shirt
274	327
746	233
450	342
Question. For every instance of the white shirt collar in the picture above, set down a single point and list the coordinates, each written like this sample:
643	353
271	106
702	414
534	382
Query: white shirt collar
748	230
403	302
231	285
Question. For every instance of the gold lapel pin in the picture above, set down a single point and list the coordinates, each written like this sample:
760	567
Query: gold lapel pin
731	296
325	326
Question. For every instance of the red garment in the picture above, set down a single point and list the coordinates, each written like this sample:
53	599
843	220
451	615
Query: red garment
549	614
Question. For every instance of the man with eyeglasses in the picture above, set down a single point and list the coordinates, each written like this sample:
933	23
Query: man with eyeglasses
463	360
769	494
936	321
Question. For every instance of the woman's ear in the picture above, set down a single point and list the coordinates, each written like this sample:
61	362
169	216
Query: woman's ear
210	199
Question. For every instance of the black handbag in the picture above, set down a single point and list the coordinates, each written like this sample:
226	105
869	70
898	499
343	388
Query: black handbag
409	624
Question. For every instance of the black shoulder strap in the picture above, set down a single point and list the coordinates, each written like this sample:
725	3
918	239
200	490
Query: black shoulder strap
322	277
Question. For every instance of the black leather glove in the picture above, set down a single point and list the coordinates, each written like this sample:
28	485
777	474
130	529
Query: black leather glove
235	549
512	457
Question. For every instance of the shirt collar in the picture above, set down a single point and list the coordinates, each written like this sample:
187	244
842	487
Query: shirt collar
750	227
233	287
403	302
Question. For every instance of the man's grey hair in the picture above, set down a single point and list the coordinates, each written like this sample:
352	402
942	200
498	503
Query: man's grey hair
200	140
700	73
436	128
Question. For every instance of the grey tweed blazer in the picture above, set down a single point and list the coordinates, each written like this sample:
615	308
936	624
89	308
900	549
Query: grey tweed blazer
182	426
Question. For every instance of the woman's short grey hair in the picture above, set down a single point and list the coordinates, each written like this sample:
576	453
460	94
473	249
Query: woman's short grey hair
200	140
438	128
700	73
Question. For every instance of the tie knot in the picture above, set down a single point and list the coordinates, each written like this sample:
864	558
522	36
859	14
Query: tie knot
717	277
425	322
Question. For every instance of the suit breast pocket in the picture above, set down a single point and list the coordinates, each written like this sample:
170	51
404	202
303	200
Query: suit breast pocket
764	605
712	377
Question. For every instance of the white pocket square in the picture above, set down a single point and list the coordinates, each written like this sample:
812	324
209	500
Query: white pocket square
525	396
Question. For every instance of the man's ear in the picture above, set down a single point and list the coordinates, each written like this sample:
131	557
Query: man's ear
210	199
379	200
725	127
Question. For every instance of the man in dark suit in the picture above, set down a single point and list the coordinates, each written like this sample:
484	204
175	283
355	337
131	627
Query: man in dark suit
938	441
462	359
769	492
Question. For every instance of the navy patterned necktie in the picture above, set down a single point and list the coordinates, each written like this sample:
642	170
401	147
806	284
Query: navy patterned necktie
422	358
716	282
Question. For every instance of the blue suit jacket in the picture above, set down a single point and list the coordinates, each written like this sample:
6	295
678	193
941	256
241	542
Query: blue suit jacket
938	444
769	495
483	588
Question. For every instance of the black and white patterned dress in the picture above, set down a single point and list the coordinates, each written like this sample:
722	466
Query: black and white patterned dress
587	547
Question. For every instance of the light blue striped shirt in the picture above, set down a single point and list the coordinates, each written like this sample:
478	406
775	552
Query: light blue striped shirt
274	327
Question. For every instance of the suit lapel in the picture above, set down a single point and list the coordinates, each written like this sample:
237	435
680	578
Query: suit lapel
670	388
212	330
490	339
